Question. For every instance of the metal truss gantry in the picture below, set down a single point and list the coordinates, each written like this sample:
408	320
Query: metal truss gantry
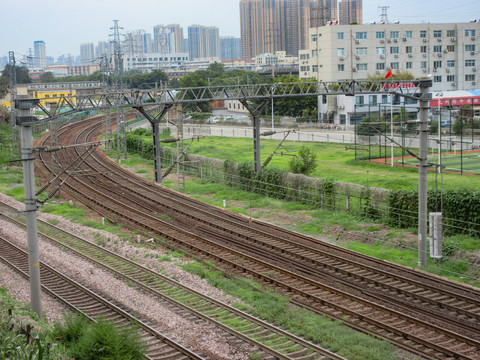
254	97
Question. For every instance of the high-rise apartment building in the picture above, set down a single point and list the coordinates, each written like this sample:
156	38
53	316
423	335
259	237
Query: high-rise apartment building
40	54
350	12
230	48
103	48
213	41
197	41
177	45
203	41
87	54
274	25
168	39
323	11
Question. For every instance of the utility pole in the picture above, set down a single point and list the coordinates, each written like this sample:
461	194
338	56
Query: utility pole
25	120
425	96
255	113
13	95
118	72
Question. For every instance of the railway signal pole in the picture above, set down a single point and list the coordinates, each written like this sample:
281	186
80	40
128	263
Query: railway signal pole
425	96
25	120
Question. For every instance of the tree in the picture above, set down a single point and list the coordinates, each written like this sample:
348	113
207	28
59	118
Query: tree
302	106
304	163
47	77
4	85
4	114
215	75
21	73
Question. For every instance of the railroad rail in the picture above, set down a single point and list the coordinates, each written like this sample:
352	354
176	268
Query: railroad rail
408	310
92	305
182	297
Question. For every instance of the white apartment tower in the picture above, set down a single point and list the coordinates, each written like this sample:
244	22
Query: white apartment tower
40	54
449	52
87	54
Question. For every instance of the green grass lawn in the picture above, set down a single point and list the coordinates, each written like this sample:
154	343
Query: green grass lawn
333	161
470	162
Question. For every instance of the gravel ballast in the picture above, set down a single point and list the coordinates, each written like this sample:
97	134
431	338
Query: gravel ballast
200	338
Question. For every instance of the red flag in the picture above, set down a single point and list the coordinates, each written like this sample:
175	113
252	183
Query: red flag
389	73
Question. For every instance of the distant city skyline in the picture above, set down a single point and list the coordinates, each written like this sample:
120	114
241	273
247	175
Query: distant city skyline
64	28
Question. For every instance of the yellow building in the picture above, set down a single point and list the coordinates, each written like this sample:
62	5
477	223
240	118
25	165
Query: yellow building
54	92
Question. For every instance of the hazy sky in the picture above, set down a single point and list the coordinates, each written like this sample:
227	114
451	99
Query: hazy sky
64	24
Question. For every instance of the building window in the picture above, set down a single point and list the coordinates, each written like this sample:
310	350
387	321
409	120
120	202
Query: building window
305	68
304	56
437	79
314	53
437	33
408	34
450	78
340	36
450	63
394	34
380	66
395	65
372	99
469	32
409	49
341	67
437	49
340	52
470	47
470	77
362	66
423	34
380	35
362	51
384	99
394	50
451	48
314	38
359	100
423	65
408	65
423	49
451	33
380	51
469	63
315	68
437	64
343	119
361	35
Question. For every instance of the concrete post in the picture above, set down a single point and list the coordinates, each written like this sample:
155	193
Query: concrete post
423	173
30	203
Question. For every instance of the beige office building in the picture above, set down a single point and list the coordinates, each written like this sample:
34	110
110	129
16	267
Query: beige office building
449	52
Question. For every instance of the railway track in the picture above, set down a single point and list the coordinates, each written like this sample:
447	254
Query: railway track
189	302
92	305
436	319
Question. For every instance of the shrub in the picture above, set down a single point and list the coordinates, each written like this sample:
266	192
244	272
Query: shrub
100	340
304	163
